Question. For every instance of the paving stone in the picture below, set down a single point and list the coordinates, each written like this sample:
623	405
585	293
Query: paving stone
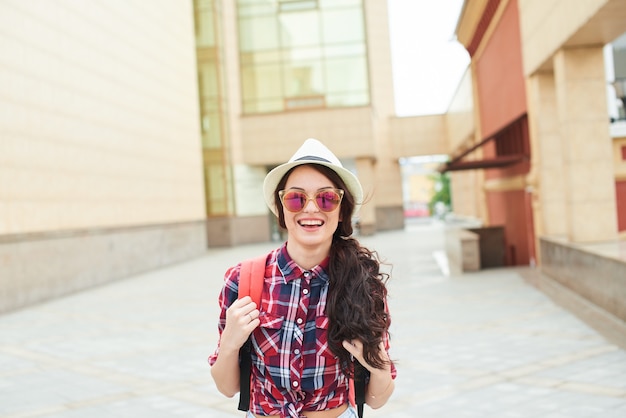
477	345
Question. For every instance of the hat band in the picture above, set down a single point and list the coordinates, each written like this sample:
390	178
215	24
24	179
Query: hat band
314	158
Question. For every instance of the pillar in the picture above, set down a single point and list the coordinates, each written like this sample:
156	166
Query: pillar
546	179
590	206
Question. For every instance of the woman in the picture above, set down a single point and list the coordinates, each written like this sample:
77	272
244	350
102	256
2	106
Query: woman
323	301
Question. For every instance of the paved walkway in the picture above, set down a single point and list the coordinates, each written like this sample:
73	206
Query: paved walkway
484	344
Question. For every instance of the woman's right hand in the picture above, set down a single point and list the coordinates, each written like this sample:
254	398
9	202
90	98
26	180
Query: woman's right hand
242	317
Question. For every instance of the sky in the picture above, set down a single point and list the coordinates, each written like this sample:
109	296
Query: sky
428	62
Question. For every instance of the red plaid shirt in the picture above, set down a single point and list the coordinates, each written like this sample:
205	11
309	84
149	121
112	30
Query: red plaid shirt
293	369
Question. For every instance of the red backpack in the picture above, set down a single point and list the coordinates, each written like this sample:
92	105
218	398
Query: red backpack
251	281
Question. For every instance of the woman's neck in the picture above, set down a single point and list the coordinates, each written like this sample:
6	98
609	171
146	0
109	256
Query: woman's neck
307	257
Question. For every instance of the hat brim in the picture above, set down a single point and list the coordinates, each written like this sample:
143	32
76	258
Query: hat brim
274	176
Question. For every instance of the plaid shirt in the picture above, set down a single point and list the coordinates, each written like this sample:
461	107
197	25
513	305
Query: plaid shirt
293	369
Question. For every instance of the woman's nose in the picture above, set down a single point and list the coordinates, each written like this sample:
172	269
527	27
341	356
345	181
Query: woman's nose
310	206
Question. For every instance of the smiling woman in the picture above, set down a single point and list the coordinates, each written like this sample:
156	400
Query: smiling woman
323	320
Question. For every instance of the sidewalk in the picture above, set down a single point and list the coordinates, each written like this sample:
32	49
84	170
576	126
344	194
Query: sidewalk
485	344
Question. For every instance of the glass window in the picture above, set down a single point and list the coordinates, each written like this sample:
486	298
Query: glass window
344	50
211	132
296	5
262	82
208	79
305	54
258	33
346	75
303	79
299	29
330	4
342	25
205	35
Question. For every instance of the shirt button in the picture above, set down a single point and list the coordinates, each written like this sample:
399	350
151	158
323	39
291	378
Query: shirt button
307	274
296	351
299	321
305	291
294	384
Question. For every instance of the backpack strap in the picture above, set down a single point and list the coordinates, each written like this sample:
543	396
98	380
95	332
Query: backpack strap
251	280
356	388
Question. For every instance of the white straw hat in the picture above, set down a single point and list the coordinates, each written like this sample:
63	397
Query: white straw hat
312	152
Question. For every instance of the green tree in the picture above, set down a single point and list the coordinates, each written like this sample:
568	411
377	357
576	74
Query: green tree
442	193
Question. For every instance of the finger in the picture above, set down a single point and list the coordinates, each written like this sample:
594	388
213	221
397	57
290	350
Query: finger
350	347
241	302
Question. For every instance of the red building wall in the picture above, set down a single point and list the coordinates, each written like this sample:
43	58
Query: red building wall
509	209
502	102
500	75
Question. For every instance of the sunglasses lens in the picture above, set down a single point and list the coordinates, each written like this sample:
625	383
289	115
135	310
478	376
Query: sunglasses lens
294	201
327	200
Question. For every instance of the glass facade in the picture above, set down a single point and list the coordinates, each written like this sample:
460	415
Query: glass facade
211	84
302	54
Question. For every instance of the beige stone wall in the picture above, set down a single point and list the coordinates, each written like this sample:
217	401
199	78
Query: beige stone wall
547	26
98	115
460	116
267	140
618	162
420	135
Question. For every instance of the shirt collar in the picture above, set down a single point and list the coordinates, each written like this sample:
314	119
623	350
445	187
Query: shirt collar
292	271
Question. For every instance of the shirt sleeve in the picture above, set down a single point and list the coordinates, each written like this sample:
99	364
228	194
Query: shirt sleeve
227	296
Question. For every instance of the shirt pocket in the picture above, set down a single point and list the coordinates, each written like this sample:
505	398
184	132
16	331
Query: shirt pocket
321	333
268	336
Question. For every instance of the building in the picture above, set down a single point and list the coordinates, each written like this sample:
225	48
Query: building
100	162
273	73
538	152
134	137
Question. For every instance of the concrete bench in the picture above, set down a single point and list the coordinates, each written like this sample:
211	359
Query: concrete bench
462	250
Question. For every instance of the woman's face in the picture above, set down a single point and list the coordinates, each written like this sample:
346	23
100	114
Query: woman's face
310	227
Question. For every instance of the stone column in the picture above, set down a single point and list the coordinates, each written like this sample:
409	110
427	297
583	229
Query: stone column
590	207
546	178
367	214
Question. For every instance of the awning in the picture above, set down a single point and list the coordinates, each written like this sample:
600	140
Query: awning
511	147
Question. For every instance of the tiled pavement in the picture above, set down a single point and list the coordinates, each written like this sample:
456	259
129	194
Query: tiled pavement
484	344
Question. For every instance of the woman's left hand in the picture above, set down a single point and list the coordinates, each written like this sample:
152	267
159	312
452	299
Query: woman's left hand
381	384
355	347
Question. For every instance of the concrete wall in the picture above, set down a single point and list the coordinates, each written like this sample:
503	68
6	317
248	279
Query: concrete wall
597	278
41	266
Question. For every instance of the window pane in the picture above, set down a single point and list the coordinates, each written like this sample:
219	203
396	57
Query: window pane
303	79
258	33
342	25
295	5
208	79
261	82
344	50
205	34
255	8
346	75
330	4
299	29
211	133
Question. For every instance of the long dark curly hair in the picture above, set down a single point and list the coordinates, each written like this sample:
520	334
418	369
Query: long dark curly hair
357	289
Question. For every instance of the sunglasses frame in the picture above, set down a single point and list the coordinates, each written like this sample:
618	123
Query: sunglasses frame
282	193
